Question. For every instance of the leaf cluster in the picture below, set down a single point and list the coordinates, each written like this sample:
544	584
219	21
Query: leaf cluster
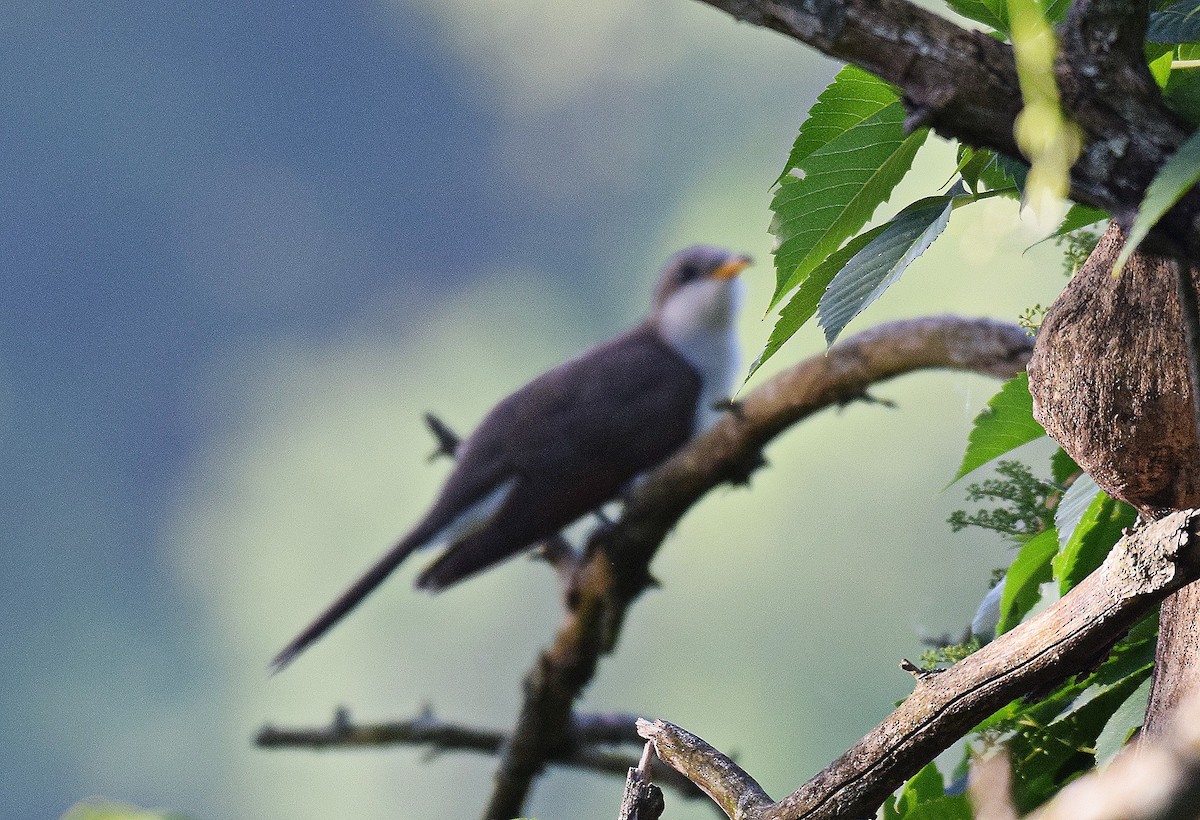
852	151
1027	506
1065	527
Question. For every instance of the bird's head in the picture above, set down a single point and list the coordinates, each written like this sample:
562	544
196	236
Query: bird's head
699	290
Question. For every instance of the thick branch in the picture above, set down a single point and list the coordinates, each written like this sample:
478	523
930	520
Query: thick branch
963	84
616	569
1142	569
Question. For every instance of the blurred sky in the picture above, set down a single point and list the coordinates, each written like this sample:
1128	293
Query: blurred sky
244	246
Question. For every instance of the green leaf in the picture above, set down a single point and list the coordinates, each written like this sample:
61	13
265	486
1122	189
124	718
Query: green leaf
1009	172
922	787
1055	10
1125	719
1004	425
1074	504
1160	64
1177	175
1028	572
1183	87
1062	466
853	96
881	262
835	188
1097	531
803	304
992	13
946	807
1080	216
1177	23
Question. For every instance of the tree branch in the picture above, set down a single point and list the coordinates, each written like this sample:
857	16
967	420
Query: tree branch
593	737
616	566
1143	568
963	84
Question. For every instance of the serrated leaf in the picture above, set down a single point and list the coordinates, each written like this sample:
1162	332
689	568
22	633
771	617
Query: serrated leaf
993	13
1177	23
1028	571
852	96
803	304
1074	504
1177	175
1098	530
843	182
1009	172
1004	425
1080	216
881	262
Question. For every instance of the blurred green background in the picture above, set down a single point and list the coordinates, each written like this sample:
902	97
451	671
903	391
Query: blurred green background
246	246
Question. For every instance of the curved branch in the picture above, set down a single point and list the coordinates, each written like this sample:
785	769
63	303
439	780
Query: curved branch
1143	568
616	566
730	787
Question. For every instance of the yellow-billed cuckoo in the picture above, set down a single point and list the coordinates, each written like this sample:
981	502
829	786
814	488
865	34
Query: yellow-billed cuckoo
575	437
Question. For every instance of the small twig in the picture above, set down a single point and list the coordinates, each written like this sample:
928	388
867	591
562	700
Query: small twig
642	799
447	439
918	672
594	736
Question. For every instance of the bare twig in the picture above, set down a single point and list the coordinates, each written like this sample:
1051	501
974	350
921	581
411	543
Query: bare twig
447	439
642	799
594	737
616	569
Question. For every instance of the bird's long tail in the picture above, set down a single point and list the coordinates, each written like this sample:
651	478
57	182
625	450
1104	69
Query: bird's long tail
350	598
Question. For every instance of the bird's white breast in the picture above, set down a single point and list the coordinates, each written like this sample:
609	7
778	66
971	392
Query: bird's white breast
699	322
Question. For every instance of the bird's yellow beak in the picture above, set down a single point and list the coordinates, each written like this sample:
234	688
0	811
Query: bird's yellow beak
733	267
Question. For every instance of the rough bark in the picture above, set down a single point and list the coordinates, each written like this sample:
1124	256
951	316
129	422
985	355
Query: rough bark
1109	378
1110	383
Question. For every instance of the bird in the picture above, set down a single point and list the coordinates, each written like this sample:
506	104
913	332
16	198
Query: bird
577	436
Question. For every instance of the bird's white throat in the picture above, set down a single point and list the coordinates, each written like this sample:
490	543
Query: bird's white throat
700	322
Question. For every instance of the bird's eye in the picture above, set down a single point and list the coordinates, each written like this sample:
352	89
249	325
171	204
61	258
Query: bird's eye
689	272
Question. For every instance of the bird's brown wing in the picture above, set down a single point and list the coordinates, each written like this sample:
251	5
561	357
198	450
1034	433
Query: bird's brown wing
636	400
574	437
